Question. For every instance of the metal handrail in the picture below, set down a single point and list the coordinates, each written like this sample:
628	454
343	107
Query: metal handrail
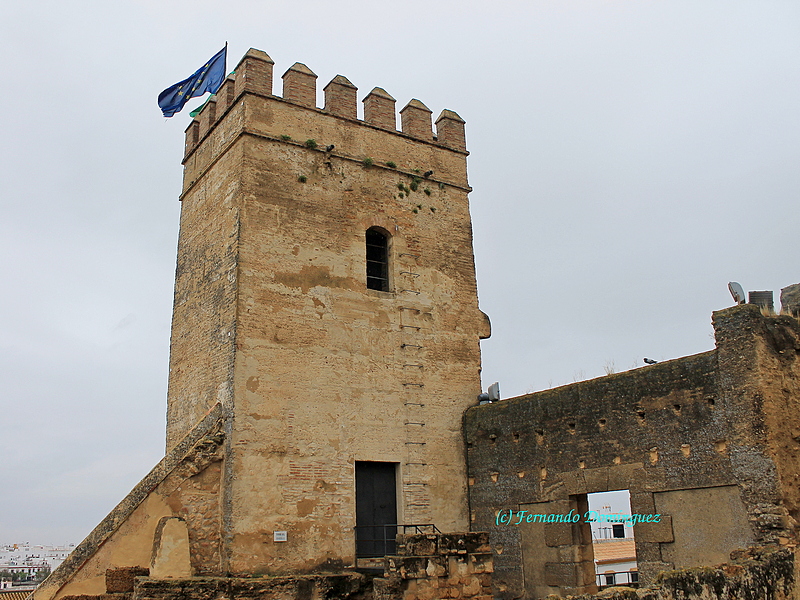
373	541
632	579
418	528
381	540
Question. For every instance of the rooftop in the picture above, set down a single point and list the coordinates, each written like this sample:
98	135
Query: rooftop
613	551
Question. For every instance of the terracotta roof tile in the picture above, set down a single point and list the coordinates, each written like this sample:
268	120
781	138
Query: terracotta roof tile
608	551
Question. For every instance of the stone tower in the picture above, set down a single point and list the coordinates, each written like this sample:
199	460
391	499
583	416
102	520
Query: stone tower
325	299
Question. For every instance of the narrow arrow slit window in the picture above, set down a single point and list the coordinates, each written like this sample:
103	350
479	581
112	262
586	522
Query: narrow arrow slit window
377	259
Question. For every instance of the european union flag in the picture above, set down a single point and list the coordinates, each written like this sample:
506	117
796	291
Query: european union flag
207	78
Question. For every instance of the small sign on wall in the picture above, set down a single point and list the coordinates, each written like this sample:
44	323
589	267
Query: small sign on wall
279	536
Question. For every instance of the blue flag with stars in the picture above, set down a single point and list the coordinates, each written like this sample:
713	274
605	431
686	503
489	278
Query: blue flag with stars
207	78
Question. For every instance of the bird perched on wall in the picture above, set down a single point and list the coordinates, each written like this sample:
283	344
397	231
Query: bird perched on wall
650	361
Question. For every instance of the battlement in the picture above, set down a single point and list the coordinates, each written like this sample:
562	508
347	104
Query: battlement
254	75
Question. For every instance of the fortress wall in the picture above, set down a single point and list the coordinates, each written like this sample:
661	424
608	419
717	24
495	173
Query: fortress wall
705	441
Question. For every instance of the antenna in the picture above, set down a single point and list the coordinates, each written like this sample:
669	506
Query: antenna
737	292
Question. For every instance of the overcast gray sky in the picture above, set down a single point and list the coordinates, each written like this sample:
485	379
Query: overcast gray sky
629	158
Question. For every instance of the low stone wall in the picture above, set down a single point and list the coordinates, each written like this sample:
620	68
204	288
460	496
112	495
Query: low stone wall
350	586
754	574
119	584
437	566
426	567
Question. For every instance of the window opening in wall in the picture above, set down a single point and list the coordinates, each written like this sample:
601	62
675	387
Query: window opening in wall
613	544
377	259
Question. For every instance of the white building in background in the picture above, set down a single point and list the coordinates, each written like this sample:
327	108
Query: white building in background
613	544
29	558
615	562
29	570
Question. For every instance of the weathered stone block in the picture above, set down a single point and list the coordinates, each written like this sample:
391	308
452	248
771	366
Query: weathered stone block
655	532
649	570
561	574
417	545
557	534
642	503
122	579
457	565
574	483
596	479
625	477
477	542
416	567
436	566
453	543
481	563
648	551
472	587
454	591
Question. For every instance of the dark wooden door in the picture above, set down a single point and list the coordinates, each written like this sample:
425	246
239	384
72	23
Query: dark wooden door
376	508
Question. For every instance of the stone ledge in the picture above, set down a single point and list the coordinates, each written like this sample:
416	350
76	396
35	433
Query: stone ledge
303	587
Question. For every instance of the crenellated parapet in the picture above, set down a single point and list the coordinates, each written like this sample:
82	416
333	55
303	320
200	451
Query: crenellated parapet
450	130
254	75
416	120
340	97
300	85
379	109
